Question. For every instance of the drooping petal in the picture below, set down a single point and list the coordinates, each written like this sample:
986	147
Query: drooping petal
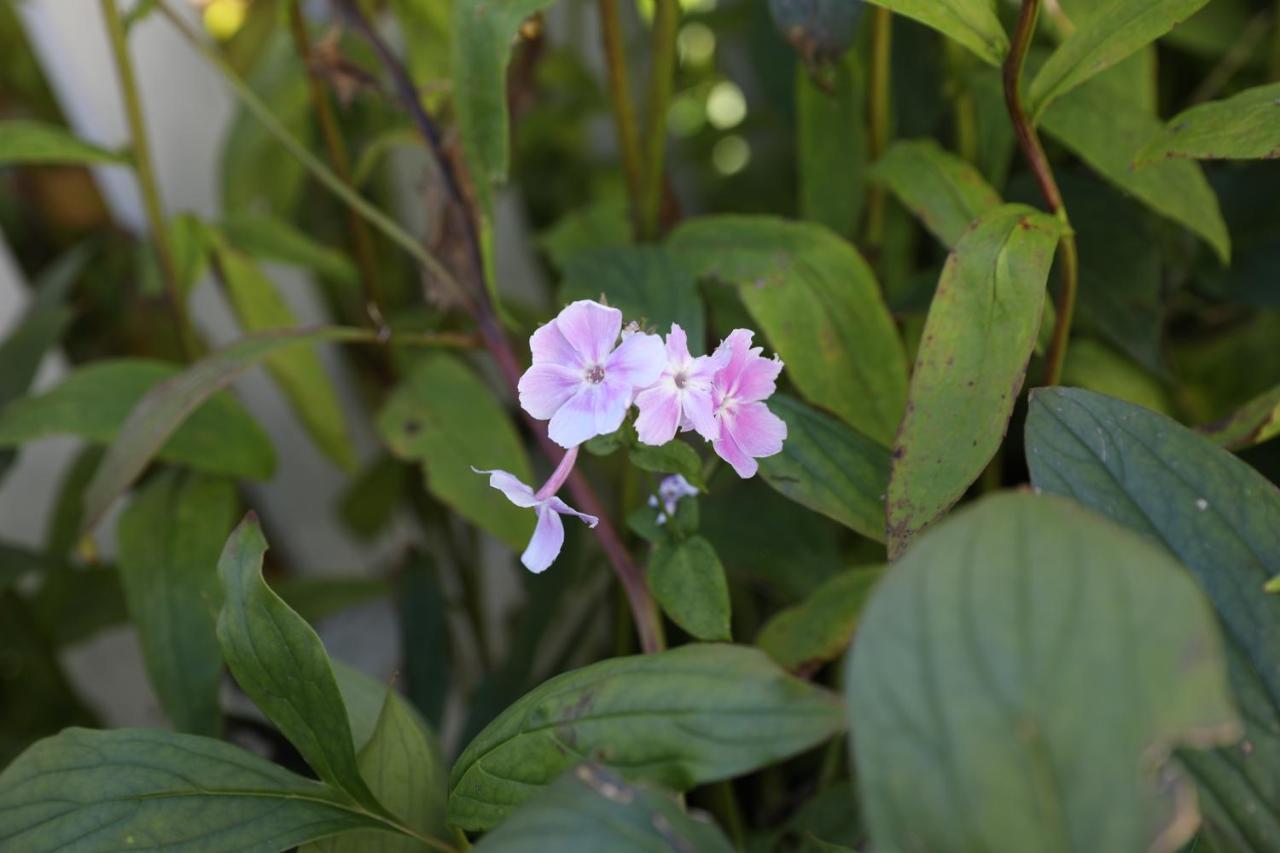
548	539
758	379
758	431
699	411
550	346
545	387
596	409
638	361
659	413
509	484
728	450
564	509
591	328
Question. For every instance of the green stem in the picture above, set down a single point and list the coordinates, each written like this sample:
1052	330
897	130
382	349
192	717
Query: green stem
879	78
624	118
1033	150
965	117
666	19
145	171
724	805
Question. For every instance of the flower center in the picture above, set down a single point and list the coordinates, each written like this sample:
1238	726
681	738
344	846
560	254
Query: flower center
595	374
680	379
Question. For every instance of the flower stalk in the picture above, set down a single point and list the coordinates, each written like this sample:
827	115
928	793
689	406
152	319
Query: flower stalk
666	20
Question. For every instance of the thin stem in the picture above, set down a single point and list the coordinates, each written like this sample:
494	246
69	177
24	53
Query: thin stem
666	19
361	240
624	118
879	78
965	115
1033	150
724	804
145	170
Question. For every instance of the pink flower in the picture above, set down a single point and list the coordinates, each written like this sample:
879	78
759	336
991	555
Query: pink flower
748	430
579	380
548	536
682	395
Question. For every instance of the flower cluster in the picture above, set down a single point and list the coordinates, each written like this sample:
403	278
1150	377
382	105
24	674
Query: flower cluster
584	381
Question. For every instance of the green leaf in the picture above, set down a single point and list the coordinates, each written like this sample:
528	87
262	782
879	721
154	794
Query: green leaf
372	498
163	411
93	402
817	630
445	417
944	192
818	302
972	23
75	603
678	718
269	238
297	370
977	340
831	146
1108	33
424	636
1253	423
317	598
1106	131
674	457
592	808
42	324
601	224
1245	126
647	283
1030	654
280	663
117	790
688	581
1094	366
169	541
829	468
24	142
1222	519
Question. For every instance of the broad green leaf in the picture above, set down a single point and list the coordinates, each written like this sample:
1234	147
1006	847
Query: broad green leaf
1253	423
647	283
1106	130
269	238
1222	519
829	468
602	224
817	630
679	718
817	301
280	663
1245	126
424	636
674	457
972	23
169	541
130	788
592	808
316	598
1097	367
944	192
164	410
297	370
374	496
1110	32
75	603
689	583
1032	657
93	402
973	357
831	146
24	142
445	417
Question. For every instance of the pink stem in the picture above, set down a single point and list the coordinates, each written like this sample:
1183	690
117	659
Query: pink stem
558	476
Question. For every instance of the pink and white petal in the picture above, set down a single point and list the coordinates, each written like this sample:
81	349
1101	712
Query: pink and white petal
732	354
699	411
728	450
549	346
593	410
564	509
758	379
544	388
509	484
548	539
638	361
703	369
758	431
659	413
677	346
590	328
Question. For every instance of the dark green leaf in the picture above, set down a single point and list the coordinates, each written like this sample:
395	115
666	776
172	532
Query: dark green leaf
317	598
831	146
944	192
24	141
169	541
1245	126
591	808
372	498
678	718
271	239
647	283
74	604
599	225
818	629
1022	645
1094	366
424	633
829	468
689	583
972	23
674	457
979	335
1222	519
817	301
1253	423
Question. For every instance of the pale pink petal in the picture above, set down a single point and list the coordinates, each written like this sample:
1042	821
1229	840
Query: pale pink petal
732	354
591	328
757	381
758	431
702	370
596	409
517	492
699	411
548	539
677	346
638	361
564	509
549	346
728	450
659	413
544	388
